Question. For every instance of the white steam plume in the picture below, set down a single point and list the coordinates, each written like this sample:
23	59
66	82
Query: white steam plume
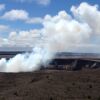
59	33
25	62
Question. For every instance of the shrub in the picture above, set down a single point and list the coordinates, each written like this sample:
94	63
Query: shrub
90	86
15	93
89	97
73	83
2	98
51	98
98	98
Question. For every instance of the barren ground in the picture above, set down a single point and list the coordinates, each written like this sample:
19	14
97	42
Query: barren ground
51	85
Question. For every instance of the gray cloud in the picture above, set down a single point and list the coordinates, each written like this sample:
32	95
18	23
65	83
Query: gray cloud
2	7
41	2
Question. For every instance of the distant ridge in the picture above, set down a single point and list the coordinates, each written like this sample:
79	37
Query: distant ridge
77	55
15	49
61	55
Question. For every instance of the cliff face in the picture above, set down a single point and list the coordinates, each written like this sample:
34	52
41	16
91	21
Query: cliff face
73	63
